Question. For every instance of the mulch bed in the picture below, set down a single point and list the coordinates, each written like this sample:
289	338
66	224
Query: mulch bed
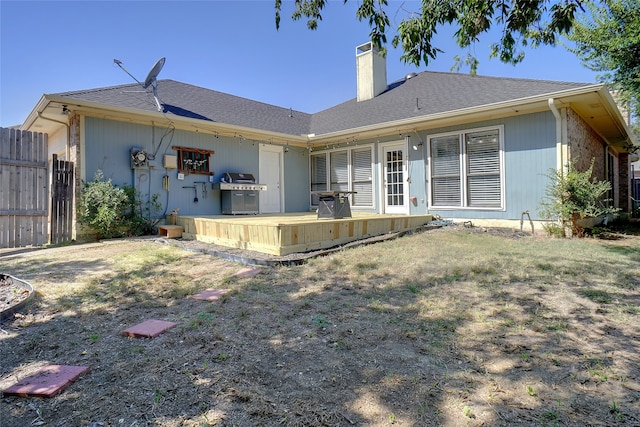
12	293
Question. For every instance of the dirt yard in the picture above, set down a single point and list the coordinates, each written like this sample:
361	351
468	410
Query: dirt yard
448	327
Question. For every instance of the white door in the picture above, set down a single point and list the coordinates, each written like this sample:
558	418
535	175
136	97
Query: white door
395	188
271	200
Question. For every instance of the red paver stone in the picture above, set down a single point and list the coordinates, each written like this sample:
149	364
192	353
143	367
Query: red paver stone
248	272
148	329
46	382
210	294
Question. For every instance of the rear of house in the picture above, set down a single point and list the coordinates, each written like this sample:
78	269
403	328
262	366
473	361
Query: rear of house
458	146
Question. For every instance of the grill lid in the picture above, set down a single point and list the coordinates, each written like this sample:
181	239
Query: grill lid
238	178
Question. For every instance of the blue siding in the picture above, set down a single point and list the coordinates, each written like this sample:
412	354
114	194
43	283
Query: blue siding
296	180
108	144
418	176
530	153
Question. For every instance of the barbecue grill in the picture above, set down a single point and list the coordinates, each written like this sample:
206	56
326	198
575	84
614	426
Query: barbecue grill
239	193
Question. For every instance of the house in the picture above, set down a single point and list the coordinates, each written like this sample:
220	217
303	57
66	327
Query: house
459	146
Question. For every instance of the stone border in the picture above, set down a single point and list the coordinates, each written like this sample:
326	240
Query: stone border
8	312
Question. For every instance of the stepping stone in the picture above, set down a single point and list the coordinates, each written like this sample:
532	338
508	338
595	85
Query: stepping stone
211	294
46	382
148	329
248	272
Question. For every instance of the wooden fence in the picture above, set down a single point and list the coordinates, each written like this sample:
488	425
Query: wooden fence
61	200
24	189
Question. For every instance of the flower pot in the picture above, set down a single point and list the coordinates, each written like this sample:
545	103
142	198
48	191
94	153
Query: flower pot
589	222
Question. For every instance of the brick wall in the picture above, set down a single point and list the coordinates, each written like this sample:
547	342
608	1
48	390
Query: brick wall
584	145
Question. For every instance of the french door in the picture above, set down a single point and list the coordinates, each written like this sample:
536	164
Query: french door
395	187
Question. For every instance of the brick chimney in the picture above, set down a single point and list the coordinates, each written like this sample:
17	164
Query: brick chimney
371	69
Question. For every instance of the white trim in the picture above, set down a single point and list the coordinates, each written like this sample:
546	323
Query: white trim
371	180
272	149
463	169
382	147
537	101
326	178
349	150
83	151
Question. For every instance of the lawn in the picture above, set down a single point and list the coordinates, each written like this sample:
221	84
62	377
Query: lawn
447	327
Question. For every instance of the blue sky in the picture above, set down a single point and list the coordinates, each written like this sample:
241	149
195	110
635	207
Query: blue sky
229	46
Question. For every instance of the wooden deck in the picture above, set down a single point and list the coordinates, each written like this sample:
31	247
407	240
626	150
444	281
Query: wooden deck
283	234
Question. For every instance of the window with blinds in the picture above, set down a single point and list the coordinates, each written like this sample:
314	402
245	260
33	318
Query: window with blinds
339	170
362	176
344	170
318	176
445	171
466	169
483	169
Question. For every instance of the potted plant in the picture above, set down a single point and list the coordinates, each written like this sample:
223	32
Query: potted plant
576	199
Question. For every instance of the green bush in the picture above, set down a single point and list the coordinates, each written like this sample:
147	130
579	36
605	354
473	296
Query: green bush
574	195
112	211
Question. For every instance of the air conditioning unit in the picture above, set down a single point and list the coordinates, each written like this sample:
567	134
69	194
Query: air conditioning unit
139	158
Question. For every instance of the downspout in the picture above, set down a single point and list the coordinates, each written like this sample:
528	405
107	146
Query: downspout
68	144
560	161
423	150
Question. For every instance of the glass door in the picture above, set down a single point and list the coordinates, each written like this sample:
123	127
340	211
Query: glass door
394	173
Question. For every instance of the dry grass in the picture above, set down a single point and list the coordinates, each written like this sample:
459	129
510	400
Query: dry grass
451	327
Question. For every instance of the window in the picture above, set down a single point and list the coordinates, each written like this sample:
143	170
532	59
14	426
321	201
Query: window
339	170
194	160
445	171
318	176
361	179
344	170
466	169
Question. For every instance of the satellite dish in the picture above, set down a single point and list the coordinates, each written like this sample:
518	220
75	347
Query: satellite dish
153	74
151	79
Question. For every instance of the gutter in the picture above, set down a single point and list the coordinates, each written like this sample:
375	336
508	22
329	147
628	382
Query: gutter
134	115
410	123
35	113
612	108
44	101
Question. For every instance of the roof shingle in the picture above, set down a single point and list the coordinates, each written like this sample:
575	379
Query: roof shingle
426	93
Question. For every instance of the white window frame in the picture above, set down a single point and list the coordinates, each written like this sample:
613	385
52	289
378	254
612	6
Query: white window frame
464	173
351	181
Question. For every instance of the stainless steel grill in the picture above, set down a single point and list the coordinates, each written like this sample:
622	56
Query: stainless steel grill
239	193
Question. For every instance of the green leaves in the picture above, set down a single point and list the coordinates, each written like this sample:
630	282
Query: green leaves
113	211
574	194
310	9
102	206
607	39
373	10
521	23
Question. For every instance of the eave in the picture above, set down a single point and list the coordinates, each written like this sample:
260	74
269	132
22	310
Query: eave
48	111
593	103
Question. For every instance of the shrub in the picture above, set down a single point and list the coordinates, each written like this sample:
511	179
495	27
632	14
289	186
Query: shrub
139	221
113	211
574	195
